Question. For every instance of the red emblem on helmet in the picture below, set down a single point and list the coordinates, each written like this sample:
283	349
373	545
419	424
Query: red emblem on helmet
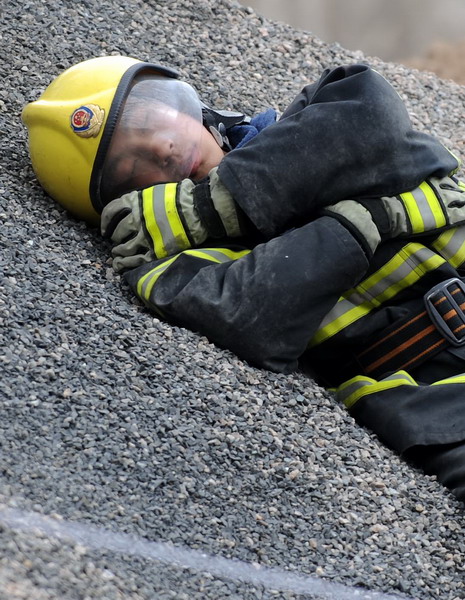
87	120
80	118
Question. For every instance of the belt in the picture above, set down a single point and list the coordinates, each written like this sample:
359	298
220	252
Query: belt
439	324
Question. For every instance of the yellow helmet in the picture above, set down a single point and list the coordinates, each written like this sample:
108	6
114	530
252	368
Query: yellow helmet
71	125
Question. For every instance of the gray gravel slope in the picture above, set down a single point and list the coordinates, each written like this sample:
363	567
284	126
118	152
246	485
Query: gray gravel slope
112	418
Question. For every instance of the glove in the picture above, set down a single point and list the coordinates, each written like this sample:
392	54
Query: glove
359	221
435	205
167	218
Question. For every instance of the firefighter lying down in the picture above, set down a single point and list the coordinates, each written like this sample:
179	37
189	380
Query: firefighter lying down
332	236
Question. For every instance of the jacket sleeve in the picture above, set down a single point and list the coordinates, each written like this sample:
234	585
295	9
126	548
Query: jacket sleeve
347	136
263	304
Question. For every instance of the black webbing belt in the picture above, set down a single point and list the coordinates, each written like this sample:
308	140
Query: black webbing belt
441	323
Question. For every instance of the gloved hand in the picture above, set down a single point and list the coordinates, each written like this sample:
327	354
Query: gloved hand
435	205
167	218
359	221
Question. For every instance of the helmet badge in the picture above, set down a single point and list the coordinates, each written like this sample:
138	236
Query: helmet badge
86	121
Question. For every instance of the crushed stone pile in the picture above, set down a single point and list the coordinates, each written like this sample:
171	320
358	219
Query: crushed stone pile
113	419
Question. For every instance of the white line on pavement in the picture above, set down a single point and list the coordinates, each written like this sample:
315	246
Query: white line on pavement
99	538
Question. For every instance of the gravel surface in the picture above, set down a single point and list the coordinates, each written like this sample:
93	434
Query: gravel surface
113	419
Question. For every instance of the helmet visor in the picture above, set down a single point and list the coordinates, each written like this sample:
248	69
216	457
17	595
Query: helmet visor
156	139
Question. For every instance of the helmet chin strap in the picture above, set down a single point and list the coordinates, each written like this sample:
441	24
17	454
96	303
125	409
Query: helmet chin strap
218	122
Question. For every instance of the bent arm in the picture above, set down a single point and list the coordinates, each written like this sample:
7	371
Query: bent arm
263	304
348	136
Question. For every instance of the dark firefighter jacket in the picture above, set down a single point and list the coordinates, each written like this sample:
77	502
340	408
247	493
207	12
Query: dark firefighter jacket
307	292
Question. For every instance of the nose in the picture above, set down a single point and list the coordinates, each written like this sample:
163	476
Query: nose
162	147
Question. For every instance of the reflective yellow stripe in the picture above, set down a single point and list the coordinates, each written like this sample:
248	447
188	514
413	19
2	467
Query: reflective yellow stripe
172	213
413	212
403	270
434	204
441	242
356	388
451	245
203	255
151	222
147	281
231	254
423	208
162	220
216	255
450	380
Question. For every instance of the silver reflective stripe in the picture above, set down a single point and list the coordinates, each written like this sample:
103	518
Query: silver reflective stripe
159	209
429	220
344	393
400	272
363	294
401	376
353	390
224	205
146	284
216	254
451	245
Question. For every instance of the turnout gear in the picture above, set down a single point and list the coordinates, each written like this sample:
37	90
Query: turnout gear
204	289
395	268
167	218
435	205
314	293
71	125
437	324
411	417
359	221
348	136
